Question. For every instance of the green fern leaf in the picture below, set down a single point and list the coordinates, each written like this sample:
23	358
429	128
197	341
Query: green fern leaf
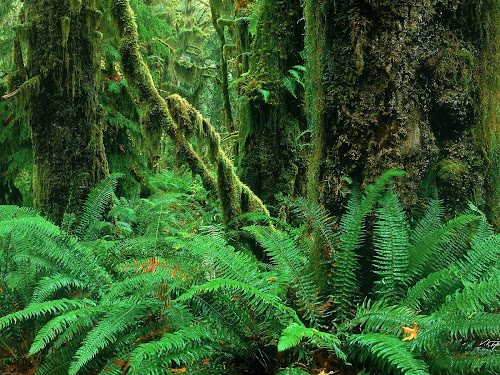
388	354
122	316
99	198
391	249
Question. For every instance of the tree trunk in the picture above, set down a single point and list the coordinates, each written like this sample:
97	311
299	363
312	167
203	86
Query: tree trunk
216	8
62	63
272	118
404	84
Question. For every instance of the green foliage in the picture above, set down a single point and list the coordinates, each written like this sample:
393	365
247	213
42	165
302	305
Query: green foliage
293	79
165	294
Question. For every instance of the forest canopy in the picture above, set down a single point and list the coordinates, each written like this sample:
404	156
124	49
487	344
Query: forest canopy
249	187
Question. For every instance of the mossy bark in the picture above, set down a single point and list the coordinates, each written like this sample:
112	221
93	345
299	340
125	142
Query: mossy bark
179	120
62	64
273	116
236	198
399	85
216	8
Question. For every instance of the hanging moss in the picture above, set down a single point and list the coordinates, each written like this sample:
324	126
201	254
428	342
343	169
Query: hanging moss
75	5
216	9
236	198
65	29
185	120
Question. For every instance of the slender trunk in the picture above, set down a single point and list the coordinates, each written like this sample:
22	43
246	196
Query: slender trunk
215	8
273	116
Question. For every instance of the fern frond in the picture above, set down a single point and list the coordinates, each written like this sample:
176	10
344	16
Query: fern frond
475	297
46	240
38	309
343	279
383	318
225	260
49	285
483	228
317	217
93	210
429	290
388	353
294	333
174	343
482	257
57	362
291	260
57	326
391	249
374	191
13	212
429	222
185	356
122	316
76	328
259	300
479	362
477	324
422	253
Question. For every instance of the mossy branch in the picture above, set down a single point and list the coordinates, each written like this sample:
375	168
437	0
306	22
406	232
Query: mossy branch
236	198
137	72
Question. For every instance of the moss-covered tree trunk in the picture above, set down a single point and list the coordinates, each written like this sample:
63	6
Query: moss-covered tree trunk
404	84
61	61
272	117
216	7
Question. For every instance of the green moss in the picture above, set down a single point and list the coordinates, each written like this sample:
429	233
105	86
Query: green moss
75	6
236	198
177	118
65	29
271	116
452	170
397	86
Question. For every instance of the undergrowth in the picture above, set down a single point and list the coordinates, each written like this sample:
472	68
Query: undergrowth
160	286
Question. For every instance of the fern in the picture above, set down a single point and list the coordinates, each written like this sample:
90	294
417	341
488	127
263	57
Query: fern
47	241
57	326
387	353
344	280
93	210
40	309
422	252
294	333
292	264
260	301
216	255
391	249
49	285
122	316
175	343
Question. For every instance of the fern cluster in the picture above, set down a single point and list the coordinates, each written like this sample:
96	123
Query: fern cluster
151	291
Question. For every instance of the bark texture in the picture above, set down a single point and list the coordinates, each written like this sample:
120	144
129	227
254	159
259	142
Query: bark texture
404	84
61	63
272	117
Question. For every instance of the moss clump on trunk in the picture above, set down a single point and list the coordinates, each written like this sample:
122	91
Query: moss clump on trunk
61	66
